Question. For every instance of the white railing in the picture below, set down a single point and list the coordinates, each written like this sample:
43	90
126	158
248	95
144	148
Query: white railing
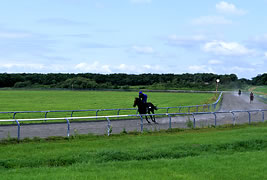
169	115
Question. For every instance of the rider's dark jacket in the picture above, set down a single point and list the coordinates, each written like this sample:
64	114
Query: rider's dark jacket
143	97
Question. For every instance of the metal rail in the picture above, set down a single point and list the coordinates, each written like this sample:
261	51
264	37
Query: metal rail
198	108
169	115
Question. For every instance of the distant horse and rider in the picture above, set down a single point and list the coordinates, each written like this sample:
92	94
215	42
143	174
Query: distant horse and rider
251	97
145	107
239	92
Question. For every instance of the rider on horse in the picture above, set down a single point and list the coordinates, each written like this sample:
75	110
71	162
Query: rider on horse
145	107
251	97
143	97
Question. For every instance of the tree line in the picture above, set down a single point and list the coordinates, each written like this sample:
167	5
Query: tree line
201	81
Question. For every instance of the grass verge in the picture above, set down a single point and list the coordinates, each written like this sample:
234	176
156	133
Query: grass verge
225	152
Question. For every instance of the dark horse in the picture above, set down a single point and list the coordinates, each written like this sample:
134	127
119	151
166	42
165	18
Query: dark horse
251	97
145	108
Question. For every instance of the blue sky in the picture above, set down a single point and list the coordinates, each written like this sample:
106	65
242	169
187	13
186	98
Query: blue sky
133	36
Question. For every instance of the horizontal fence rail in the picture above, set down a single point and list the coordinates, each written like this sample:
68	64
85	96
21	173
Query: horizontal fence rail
195	108
168	115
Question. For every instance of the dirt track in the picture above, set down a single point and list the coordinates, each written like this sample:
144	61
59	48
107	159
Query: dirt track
231	101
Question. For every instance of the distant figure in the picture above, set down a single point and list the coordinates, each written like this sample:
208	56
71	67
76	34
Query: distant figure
239	92
143	97
251	97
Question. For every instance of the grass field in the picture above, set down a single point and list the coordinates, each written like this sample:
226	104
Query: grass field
215	153
43	100
261	89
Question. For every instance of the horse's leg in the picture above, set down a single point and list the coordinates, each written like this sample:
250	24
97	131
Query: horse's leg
147	120
145	112
150	115
153	116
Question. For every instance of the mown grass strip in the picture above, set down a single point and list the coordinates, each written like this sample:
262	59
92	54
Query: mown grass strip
226	152
104	156
113	152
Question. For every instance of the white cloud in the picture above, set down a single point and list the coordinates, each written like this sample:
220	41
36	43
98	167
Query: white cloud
126	68
265	55
151	67
96	67
227	48
83	67
241	69
61	22
24	44
215	62
211	20
200	69
189	41
147	66
228	8
141	1
259	41
22	66
143	49
16	67
96	45
137	69
14	35
257	63
262	37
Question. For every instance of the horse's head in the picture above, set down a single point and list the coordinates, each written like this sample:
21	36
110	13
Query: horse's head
136	101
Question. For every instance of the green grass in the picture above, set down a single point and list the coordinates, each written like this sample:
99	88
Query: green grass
44	100
261	89
215	153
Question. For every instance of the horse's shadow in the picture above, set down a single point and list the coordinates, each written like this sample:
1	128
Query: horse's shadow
145	108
